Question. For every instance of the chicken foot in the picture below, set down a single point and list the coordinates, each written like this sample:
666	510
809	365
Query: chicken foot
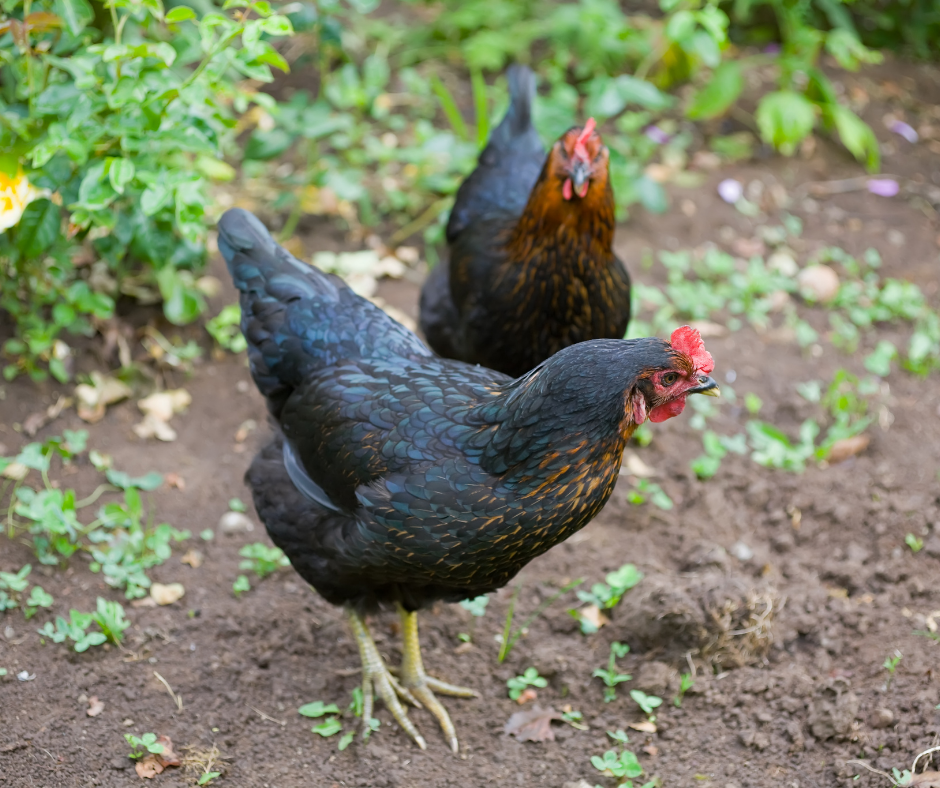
376	678
422	686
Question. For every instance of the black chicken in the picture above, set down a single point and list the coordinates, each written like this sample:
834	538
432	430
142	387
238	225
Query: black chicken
399	478
532	267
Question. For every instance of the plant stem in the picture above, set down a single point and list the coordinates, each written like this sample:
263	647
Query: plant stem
508	642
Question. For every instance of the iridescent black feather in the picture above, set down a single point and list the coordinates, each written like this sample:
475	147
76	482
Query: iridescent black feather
432	479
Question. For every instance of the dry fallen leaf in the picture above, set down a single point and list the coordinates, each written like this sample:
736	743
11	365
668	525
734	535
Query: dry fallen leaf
152	764
592	614
16	471
166	594
175	480
158	409
241	435
148	767
848	447
95	706
532	725
526	695
644	727
192	557
637	467
103	391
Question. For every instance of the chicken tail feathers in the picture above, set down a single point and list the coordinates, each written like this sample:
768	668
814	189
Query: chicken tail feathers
297	319
518	119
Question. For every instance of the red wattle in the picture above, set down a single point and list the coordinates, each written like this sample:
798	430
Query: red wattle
667	410
566	189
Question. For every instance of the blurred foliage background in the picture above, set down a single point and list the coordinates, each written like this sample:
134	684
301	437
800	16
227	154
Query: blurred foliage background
127	126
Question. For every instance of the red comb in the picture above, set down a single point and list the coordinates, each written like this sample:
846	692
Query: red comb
579	150
688	340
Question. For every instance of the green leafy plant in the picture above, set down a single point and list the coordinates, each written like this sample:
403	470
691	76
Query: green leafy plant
109	616
605	596
241	585
623	765
114	127
225	329
914	542
262	559
530	678
477	608
75	630
686	682
609	675
890	664
643	489
13	587
141	746
646	702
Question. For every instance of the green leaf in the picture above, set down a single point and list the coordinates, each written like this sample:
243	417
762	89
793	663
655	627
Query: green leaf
180	14
857	136
346	740
328	728
652	195
123	480
317	709
719	94
120	173
785	118
77	14
38	228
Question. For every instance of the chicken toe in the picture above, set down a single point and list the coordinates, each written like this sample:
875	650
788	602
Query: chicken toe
422	686
376	679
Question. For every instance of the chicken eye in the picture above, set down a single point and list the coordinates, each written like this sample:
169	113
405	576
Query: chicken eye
669	378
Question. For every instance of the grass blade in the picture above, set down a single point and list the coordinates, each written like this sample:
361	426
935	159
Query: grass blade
479	106
449	106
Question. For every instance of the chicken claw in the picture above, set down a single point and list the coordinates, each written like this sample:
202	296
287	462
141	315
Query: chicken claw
377	679
422	686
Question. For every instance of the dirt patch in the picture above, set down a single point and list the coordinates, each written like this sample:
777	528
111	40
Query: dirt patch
788	637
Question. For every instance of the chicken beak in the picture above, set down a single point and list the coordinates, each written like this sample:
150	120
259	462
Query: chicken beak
580	175
706	386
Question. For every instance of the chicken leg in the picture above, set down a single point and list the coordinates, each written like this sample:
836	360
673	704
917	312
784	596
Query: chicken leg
419	684
376	678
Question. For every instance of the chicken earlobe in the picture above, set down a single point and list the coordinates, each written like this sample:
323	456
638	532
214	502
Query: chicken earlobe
638	405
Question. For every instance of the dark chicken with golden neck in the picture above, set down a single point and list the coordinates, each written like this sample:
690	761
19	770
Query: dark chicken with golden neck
531	268
398	478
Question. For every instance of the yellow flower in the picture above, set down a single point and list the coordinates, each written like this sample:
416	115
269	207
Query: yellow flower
15	194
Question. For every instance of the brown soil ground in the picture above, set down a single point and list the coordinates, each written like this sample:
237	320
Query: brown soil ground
787	704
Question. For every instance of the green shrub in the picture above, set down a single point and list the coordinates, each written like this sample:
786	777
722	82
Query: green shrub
113	122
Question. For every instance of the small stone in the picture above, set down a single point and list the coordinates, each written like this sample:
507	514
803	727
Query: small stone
783	263
741	551
882	718
895	237
127	722
818	283
8	632
235	523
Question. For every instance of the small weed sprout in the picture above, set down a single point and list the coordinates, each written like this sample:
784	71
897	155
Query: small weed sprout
890	665
477	608
75	630
261	559
646	702
643	489
237	505
609	675
224	329
241	585
143	745
914	542
12	592
686	682
623	766
606	596
530	678
109	616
